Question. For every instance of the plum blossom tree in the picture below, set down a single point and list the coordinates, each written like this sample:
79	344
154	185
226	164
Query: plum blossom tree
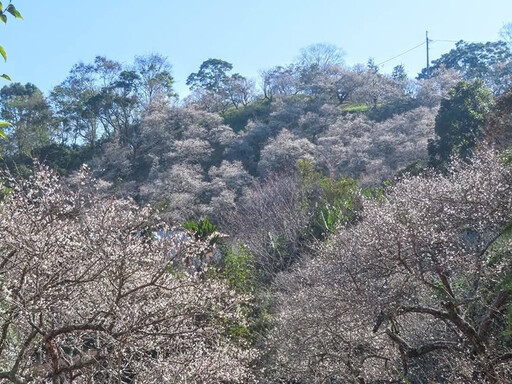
284	152
431	91
375	89
417	291
280	81
88	295
239	90
232	175
374	151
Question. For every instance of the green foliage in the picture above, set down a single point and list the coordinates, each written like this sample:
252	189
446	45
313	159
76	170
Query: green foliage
337	204
2	125
354	108
498	130
372	66
507	156
202	229
175	272
238	269
460	122
237	118
333	202
279	247
328	218
3	17
11	9
211	75
473	60
399	74
414	169
30	117
5	190
64	159
377	193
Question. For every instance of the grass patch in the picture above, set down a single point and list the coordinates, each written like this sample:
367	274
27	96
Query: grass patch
237	119
352	108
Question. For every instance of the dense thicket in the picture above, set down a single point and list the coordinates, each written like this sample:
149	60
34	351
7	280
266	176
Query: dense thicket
415	291
90	295
338	253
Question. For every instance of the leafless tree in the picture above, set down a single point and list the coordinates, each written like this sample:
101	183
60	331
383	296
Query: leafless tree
321	56
270	221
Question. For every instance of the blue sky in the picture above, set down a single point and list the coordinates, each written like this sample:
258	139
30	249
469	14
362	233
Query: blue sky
254	35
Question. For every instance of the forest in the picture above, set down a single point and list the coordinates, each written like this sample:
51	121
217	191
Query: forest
323	223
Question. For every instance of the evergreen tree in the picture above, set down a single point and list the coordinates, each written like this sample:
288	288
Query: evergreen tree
460	122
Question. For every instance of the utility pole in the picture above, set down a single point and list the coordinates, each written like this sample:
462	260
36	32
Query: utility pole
428	60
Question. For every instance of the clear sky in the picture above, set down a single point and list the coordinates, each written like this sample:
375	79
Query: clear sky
253	35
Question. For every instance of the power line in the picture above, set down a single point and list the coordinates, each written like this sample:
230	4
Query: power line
427	40
457	41
401	54
423	43
448	41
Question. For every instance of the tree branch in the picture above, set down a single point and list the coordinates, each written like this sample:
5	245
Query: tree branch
494	311
425	310
424	349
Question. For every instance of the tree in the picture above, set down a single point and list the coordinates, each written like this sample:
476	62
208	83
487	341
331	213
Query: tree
482	61
399	74
418	291
431	91
10	9
372	151
239	90
330	85
283	153
280	81
506	33
217	90
211	76
154	78
117	100
25	107
498	127
460	122
372	66
269	222
321	56
103	99
94	290
232	175
76	107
